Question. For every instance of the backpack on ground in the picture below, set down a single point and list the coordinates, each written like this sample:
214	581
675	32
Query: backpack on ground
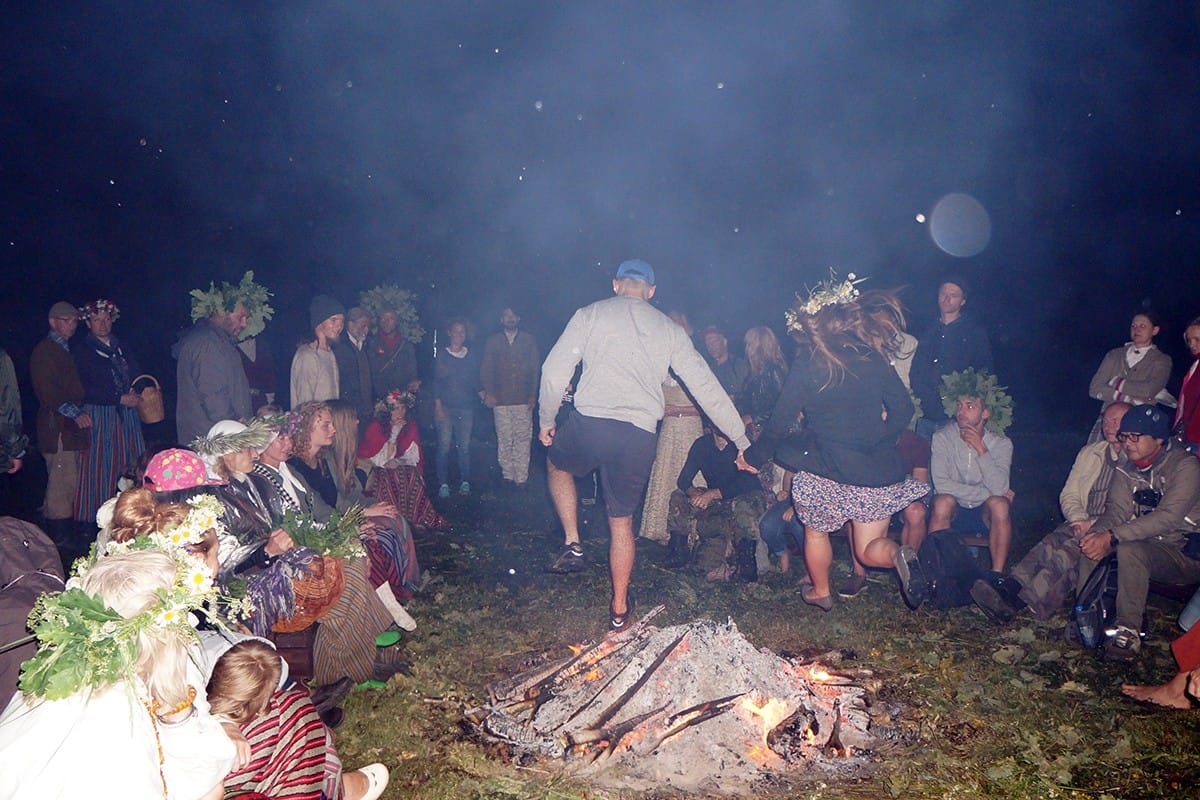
1096	605
29	566
950	569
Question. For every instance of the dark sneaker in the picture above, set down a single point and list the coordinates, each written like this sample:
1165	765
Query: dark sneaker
991	602
619	622
853	585
569	560
678	553
1123	645
913	582
331	695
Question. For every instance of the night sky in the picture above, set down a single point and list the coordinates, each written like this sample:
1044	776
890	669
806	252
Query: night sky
481	153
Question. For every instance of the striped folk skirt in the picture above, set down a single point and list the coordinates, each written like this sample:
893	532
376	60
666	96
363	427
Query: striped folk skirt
116	444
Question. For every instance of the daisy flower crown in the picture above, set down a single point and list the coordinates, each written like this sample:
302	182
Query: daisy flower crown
827	293
83	643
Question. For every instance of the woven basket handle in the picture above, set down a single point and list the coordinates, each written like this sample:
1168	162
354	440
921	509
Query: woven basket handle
152	379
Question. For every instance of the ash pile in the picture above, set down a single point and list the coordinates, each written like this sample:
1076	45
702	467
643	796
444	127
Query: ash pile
695	707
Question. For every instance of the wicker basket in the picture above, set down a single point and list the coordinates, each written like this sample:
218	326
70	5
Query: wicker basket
150	407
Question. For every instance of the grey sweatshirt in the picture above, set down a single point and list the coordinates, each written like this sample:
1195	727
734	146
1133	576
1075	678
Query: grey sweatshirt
626	346
959	471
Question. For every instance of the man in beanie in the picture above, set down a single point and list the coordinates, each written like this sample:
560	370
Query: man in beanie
626	346
314	367
61	423
211	381
1153	505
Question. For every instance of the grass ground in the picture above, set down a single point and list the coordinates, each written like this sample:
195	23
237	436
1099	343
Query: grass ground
982	711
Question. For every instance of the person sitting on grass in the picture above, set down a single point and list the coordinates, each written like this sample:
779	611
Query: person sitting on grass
292	754
970	462
733	499
109	706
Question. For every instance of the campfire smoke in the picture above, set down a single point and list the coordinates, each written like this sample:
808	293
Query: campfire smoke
693	706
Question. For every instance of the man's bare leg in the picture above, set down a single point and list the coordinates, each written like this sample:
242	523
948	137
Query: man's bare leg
621	551
944	506
1171	694
997	514
565	497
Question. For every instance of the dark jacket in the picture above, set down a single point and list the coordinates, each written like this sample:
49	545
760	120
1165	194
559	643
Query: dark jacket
106	372
510	371
944	349
718	468
354	377
847	438
391	367
55	382
212	384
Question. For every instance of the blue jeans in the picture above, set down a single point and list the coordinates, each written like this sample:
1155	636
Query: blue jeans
774	529
455	428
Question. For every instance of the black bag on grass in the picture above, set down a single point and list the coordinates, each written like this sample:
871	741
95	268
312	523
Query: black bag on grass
1096	605
950	568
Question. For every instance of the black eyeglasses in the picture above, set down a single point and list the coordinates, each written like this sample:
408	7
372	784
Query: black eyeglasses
1129	437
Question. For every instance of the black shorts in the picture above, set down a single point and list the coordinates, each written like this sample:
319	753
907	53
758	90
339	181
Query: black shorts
623	452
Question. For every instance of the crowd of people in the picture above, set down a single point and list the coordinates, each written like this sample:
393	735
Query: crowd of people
732	458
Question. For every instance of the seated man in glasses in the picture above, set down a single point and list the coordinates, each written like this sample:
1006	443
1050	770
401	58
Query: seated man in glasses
1047	574
1153	503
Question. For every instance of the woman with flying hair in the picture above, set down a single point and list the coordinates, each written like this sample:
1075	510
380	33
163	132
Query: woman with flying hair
854	408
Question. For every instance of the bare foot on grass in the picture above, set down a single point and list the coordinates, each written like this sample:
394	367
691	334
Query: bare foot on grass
1171	694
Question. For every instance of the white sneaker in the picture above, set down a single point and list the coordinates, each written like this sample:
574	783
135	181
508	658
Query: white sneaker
377	780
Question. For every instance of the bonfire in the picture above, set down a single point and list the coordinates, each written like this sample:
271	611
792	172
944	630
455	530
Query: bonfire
695	706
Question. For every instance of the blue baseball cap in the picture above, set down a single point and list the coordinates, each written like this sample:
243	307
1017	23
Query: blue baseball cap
1148	419
636	268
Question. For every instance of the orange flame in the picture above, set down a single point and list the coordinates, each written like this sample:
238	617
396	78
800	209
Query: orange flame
575	649
593	674
819	674
770	713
